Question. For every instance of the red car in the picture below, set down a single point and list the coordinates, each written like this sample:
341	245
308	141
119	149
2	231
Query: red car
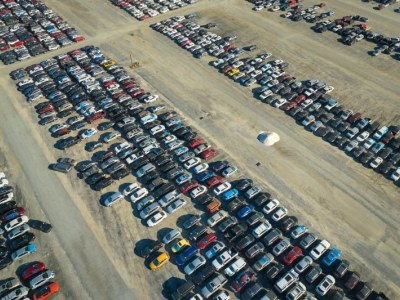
292	255
210	153
46	291
46	108
137	93
186	187
195	142
32	270
96	116
213	181
207	240
78	39
12	214
242	279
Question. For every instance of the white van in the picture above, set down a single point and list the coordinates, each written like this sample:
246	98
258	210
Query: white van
235	267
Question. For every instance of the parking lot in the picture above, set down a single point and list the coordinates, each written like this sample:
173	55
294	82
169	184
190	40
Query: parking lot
169	89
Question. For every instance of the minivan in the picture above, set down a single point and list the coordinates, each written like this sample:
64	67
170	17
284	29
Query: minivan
145	169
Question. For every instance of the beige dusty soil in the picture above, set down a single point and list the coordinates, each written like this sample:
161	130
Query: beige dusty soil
91	248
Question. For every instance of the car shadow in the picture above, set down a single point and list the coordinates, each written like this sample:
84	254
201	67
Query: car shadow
140	245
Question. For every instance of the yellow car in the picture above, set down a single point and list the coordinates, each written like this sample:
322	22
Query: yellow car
161	260
109	63
178	246
233	72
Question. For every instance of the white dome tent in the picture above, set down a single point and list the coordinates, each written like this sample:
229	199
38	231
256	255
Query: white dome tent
268	138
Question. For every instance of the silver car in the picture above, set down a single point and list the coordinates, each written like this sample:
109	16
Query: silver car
41	279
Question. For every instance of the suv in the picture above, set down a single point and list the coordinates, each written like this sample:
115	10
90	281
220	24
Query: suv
286	280
205	273
183	290
213	285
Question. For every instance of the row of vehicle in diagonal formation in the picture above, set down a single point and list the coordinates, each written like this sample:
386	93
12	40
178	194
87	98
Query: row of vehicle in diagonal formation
143	10
17	245
243	212
349	35
29	28
308	102
171	161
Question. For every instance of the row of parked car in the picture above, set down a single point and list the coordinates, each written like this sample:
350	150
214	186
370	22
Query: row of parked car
18	244
155	165
143	10
308	102
29	28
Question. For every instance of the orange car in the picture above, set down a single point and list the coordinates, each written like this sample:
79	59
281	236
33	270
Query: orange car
46	291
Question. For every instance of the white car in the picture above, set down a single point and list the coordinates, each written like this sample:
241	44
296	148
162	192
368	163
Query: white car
16	222
376	162
156	219
20	230
303	264
138	194
223	187
198	191
280	247
216	218
3	182
320	249
270	206
229	171
176	205
192	163
261	229
200	168
280	102
130	189
279	214
395	175
222	259
41	279
297	291
157	129
222	295
121	146
16	294
2	175
111	136
194	265
169	139
325	285
363	136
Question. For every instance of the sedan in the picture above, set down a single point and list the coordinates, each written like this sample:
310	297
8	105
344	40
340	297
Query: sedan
87	133
192	163
16	222
303	264
200	190
270	206
12	214
298	231
292	255
325	285
242	279
216	248
245	211
200	168
176	205
320	249
185	177
229	171
206	240
156	219
279	214
195	264
32	270
22	252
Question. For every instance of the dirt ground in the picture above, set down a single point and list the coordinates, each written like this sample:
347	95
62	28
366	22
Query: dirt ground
92	248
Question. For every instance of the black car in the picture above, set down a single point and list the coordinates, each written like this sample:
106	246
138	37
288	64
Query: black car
65	113
243	184
6	189
3	252
196	232
7	206
68	142
164	189
273	270
205	199
102	156
95	178
22	240
162	160
40	225
85	165
235	231
234	204
105	125
155	184
287	223
244	242
154	153
103	183
341	268
5	263
219	166
366	157
261	199
153	247
168	166
140	162
191	221
203	274
149	177
121	173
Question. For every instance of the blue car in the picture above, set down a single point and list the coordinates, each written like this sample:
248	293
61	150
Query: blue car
202	177
229	195
181	150
186	254
245	211
331	256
